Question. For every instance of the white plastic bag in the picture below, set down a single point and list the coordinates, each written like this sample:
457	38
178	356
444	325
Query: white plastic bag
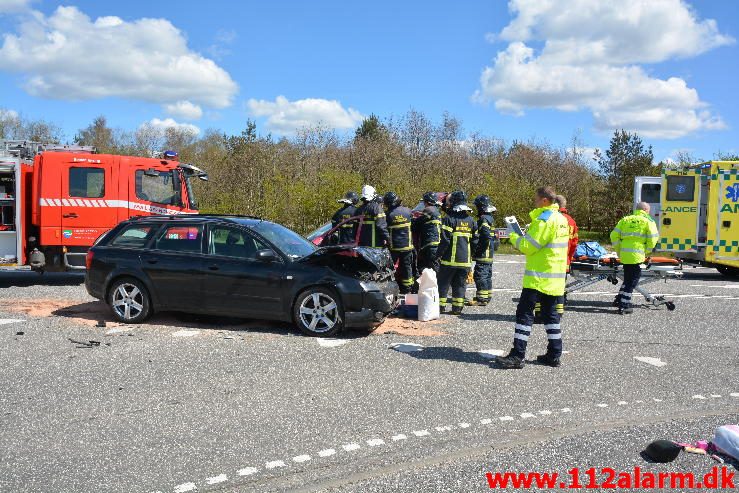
428	296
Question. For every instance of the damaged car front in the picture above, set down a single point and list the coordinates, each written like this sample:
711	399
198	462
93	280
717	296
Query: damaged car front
363	277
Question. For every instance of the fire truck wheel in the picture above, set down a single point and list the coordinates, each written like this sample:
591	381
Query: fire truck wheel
318	312
129	300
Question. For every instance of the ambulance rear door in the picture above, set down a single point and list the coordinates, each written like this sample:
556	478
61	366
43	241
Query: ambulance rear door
725	245
649	189
679	226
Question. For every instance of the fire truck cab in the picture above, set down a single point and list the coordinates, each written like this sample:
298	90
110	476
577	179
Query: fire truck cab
57	200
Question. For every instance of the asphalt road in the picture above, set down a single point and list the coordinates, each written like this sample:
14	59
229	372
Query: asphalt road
182	404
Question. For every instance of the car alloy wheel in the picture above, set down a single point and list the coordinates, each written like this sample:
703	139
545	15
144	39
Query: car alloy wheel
319	313
128	301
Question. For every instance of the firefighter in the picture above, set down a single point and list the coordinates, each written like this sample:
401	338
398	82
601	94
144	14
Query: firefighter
545	245
483	274
401	240
458	241
347	232
374	232
427	228
633	237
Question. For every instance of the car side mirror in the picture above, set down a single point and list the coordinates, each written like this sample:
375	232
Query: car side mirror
266	255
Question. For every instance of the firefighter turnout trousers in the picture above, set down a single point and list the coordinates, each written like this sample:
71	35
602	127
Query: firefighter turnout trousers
632	274
525	321
456	279
427	259
404	270
483	276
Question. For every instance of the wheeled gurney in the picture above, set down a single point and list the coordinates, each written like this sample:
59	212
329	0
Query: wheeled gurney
587	271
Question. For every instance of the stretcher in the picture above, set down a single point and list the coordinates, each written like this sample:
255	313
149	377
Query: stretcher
586	272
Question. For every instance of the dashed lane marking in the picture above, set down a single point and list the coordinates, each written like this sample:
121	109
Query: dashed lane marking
275	464
401	436
734	394
327	452
545	413
603	404
566	410
464	425
698	396
506	418
184	487
301	458
351	447
421	433
528	415
221	478
5	321
650	361
486	421
375	442
247	471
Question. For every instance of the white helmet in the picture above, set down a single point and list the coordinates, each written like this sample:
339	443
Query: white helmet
368	193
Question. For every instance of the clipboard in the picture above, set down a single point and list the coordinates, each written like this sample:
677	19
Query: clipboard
513	226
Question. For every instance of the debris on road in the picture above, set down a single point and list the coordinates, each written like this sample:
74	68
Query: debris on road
19	333
88	344
409	328
407	347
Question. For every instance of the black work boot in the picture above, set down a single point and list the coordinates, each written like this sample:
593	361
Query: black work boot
509	362
548	360
482	301
442	308
456	310
625	310
617	301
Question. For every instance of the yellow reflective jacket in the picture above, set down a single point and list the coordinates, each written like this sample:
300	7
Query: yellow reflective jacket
635	236
545	245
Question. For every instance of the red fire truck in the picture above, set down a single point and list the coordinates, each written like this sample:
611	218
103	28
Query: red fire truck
57	200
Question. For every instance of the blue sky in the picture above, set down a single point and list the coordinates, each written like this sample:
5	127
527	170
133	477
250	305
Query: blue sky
336	61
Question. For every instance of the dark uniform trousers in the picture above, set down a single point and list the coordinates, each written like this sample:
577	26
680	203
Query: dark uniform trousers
427	259
404	272
550	317
456	278
632	274
483	276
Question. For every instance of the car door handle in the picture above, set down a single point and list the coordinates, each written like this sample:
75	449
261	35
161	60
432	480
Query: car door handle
71	214
213	267
152	261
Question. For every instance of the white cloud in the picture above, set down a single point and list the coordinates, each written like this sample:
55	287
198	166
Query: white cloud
286	117
171	123
68	55
185	110
6	115
13	6
589	61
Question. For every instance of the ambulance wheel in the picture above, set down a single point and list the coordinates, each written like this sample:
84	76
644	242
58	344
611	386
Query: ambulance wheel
129	300
670	305
728	271
318	312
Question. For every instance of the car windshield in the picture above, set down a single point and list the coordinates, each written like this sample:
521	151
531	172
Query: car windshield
289	242
319	232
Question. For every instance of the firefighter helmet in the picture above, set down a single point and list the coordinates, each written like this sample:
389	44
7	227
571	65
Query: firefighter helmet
350	198
368	193
431	198
458	198
482	202
391	199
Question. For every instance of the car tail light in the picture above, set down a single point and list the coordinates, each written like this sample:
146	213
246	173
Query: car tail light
88	259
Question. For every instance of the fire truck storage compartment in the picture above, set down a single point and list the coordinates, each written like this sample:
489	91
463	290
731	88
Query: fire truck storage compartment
8	215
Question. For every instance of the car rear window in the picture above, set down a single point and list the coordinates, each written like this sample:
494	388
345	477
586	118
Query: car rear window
135	236
180	238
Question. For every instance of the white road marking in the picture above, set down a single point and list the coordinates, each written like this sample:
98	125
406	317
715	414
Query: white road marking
5	321
274	464
247	471
650	361
441	429
528	415
506	418
407	347
301	458
118	330
545	412
217	479
421	433
715	396
327	452
602	404
622	403
566	410
375	442
730	286
639	402
400	437
184	487
464	425
698	396
328	342
656	400
734	394
491	353
486	421
185	333
351	447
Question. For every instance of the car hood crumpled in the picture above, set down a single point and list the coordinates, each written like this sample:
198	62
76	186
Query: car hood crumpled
376	260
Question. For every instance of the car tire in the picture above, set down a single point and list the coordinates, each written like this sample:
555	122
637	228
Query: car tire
129	300
318	312
730	272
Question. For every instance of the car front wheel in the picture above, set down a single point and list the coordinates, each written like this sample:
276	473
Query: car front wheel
129	301
318	312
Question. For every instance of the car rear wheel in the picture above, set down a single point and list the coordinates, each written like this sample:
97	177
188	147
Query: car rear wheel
318	312
728	271
129	301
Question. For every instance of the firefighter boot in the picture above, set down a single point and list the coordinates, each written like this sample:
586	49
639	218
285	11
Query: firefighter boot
548	360
509	362
456	310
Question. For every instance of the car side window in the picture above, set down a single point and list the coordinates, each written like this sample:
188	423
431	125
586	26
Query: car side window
180	238
233	242
135	236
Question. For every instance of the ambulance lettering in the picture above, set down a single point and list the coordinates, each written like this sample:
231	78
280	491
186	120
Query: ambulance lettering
681	209
730	209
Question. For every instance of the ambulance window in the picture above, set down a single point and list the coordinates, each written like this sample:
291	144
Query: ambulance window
133	237
159	188
681	188
87	182
650	193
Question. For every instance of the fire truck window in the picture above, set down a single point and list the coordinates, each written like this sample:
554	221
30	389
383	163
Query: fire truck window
181	238
87	182
231	242
681	188
159	189
133	237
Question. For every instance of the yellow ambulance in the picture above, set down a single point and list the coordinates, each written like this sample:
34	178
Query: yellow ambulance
699	219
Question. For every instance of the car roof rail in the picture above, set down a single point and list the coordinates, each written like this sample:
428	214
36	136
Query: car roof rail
172	217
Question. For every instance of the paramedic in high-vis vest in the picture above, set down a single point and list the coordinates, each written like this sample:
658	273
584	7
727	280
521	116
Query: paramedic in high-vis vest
545	245
634	236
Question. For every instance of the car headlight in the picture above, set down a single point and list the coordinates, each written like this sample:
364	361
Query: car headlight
390	298
370	286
